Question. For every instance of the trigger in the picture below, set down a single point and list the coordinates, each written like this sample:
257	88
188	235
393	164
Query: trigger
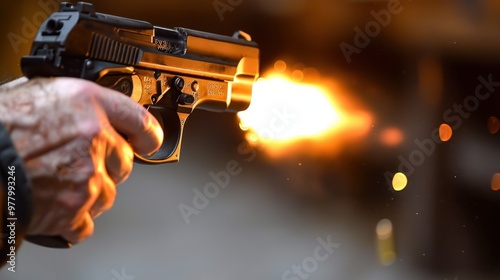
172	129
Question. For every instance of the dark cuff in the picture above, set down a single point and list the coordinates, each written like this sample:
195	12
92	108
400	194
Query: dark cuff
16	204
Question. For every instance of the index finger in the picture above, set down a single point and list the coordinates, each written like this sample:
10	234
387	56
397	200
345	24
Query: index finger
144	133
127	117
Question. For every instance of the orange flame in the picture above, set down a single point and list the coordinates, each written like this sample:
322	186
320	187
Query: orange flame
285	113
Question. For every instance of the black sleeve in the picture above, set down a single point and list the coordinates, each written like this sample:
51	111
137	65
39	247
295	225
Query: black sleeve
15	198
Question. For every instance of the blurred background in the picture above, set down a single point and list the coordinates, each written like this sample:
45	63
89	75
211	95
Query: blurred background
413	87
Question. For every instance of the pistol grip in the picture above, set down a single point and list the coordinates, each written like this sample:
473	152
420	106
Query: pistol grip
56	242
172	123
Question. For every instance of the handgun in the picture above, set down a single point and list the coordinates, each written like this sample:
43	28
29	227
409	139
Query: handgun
169	71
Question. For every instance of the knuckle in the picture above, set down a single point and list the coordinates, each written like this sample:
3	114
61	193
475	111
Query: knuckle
83	134
83	142
83	170
108	204
85	88
112	193
127	159
108	195
73	203
79	231
91	192
87	231
124	175
77	198
77	90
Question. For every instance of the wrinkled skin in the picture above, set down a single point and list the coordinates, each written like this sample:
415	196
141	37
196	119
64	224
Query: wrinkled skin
65	130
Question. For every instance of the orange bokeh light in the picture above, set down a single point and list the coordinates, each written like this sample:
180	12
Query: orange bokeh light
493	125
495	182
391	136
280	66
445	132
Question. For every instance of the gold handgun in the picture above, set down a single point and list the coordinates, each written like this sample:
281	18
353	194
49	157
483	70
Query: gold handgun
169	71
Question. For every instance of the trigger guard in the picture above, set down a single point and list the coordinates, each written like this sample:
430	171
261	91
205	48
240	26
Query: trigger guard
170	123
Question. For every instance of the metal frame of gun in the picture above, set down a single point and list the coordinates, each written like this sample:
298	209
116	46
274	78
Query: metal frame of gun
169	71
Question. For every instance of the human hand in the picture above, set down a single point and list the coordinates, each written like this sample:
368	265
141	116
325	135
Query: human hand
65	130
